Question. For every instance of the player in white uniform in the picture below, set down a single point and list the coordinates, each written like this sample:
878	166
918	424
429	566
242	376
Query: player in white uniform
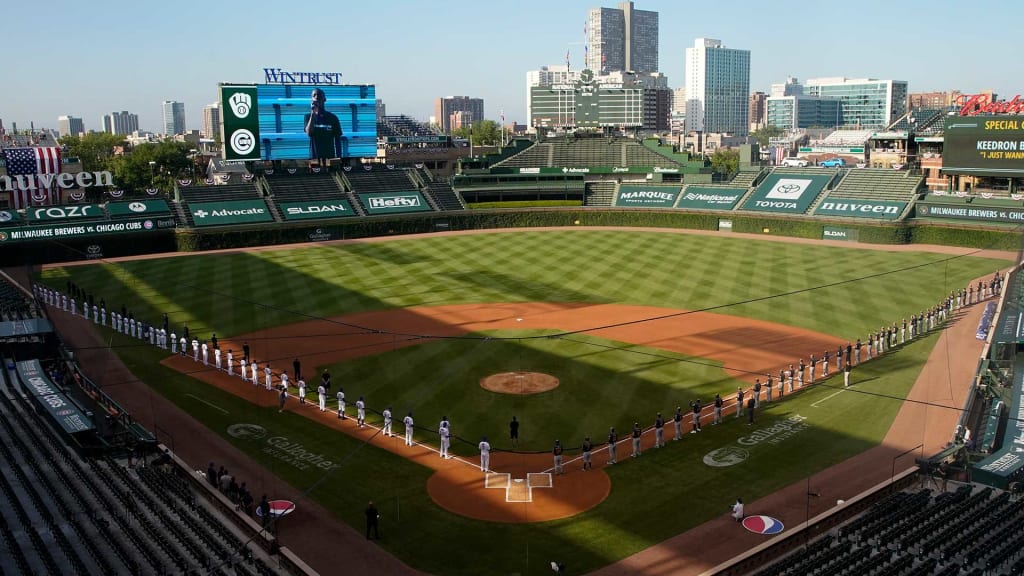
408	428
485	454
243	368
321	392
206	353
387	422
446	440
269	376
174	343
216	357
302	391
254	372
231	363
361	412
284	379
341	403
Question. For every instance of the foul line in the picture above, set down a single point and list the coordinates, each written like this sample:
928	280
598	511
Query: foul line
836	393
214	406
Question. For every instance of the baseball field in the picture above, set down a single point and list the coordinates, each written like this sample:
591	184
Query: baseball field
630	323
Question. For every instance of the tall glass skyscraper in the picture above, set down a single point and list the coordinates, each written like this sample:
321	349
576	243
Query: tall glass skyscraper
717	88
865	102
622	39
174	117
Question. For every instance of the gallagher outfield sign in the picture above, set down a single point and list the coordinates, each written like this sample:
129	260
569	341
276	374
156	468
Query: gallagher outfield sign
860	208
646	197
232	212
314	210
393	202
732	455
46	232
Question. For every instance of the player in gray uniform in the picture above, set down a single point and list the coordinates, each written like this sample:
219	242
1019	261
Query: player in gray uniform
587	447
387	422
408	421
613	441
341	403
556	452
485	454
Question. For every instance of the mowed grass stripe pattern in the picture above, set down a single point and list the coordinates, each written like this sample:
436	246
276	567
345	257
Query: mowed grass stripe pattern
242	292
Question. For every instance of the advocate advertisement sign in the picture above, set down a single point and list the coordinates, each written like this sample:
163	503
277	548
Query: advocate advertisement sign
313	210
51	231
967	212
706	198
646	196
393	202
231	212
984	145
51	399
854	208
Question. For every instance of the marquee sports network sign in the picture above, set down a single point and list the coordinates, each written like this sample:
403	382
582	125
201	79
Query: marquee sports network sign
393	202
232	212
646	196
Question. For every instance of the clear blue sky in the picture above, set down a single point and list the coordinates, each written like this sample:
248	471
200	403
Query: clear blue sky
89	58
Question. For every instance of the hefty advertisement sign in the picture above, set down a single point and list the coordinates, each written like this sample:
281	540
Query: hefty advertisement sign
646	196
393	202
314	210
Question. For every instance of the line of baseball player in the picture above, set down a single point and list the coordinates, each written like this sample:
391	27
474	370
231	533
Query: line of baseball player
789	379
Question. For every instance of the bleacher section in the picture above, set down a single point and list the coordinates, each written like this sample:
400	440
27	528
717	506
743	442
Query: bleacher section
294	188
588	152
920	121
378	180
970	531
444	196
599	193
220	193
68	515
402	126
745	178
878	184
845	138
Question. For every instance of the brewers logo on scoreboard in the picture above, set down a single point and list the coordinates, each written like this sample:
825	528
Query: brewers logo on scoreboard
241	126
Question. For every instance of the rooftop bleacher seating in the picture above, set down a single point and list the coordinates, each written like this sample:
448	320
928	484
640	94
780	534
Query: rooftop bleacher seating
294	188
844	137
219	193
744	178
403	126
587	152
878	184
378	180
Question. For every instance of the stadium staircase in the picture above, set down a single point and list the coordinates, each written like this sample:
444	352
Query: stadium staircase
747	178
600	193
445	197
182	214
272	208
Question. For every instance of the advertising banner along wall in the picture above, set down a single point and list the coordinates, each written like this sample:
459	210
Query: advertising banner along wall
393	202
708	198
231	212
61	230
968	212
138	207
984	145
316	209
51	399
631	196
854	208
790	193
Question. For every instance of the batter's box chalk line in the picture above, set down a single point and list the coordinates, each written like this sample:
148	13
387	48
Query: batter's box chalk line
518	489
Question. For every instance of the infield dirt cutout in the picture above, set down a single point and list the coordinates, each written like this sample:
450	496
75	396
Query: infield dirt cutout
745	347
522	383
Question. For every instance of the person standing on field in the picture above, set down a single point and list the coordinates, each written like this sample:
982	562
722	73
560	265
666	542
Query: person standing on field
485	454
613	440
341	402
636	439
321	393
513	432
360	412
696	406
408	421
739	400
302	391
677	420
717	410
269	376
387	422
587	448
556	453
659	431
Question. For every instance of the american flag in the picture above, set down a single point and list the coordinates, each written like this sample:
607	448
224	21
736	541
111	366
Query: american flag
30	164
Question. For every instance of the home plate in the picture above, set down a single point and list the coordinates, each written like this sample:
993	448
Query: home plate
518	492
518	479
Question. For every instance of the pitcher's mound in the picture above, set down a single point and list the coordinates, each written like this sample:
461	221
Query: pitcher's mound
519	382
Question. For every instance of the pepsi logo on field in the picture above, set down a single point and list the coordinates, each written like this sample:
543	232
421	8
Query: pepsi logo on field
278	508
763	525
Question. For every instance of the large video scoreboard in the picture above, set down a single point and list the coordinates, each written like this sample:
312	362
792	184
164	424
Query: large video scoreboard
984	146
271	121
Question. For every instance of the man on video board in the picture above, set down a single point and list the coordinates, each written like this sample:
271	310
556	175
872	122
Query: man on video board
323	129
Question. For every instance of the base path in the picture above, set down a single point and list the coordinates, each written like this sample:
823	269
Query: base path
746	348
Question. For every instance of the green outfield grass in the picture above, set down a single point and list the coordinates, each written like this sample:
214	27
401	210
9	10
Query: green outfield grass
656	497
241	292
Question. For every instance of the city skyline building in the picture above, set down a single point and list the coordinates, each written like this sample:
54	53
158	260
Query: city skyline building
120	123
717	88
864	102
173	117
621	39
445	106
70	126
211	121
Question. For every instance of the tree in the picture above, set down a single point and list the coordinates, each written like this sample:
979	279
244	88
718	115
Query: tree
94	150
764	134
153	166
484	133
725	161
